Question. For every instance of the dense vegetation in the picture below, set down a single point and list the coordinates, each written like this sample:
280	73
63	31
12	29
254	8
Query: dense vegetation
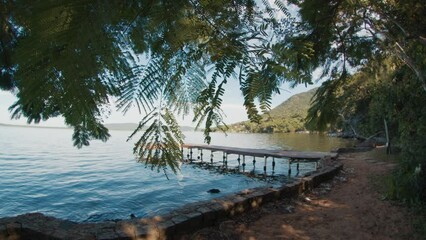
387	90
289	116
382	95
70	58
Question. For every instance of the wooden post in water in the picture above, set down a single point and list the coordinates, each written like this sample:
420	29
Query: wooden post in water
289	167
225	159
273	165
211	156
183	154
187	153
264	166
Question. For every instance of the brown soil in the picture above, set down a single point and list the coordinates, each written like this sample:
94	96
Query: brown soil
349	207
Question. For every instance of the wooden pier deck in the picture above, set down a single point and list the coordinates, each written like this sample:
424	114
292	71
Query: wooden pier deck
287	155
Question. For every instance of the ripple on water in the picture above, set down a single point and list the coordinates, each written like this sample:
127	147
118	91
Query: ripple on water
42	172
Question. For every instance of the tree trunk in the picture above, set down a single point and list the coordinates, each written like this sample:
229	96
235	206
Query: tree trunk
388	144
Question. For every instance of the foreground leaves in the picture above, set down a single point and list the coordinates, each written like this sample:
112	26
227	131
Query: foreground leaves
161	140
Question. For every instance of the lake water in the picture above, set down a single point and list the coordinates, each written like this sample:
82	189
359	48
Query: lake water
42	172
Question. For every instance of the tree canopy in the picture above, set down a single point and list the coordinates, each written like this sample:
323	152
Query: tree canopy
70	58
379	79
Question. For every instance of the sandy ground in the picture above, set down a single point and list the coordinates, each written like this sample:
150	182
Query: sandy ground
348	207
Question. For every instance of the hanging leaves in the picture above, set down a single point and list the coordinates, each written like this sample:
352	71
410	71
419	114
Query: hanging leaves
159	145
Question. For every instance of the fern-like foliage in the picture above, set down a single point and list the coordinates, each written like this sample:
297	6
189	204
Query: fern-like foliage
325	107
208	108
159	145
9	34
141	87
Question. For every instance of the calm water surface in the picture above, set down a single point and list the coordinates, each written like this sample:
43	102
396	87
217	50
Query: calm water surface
42	172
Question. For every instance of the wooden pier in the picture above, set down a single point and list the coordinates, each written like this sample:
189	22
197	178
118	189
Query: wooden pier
291	156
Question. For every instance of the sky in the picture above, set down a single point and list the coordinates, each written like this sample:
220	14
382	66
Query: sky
232	106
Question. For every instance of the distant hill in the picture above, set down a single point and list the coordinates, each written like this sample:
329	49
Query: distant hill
297	104
289	116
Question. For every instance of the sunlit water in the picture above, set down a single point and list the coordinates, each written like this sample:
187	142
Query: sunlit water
42	172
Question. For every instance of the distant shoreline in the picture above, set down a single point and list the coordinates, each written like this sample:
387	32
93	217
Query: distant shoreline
110	126
31	126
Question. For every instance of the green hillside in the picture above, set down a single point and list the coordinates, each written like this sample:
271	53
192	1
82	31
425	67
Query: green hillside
289	116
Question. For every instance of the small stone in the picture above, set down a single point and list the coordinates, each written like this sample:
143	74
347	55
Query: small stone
214	190
343	179
289	209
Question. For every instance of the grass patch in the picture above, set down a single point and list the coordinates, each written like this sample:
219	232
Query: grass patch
419	222
384	184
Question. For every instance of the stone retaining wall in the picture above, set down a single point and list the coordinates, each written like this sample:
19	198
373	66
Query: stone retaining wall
187	219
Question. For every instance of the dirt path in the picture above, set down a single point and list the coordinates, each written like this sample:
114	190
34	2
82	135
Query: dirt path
349	207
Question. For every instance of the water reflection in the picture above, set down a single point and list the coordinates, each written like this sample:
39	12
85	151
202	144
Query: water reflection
284	141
